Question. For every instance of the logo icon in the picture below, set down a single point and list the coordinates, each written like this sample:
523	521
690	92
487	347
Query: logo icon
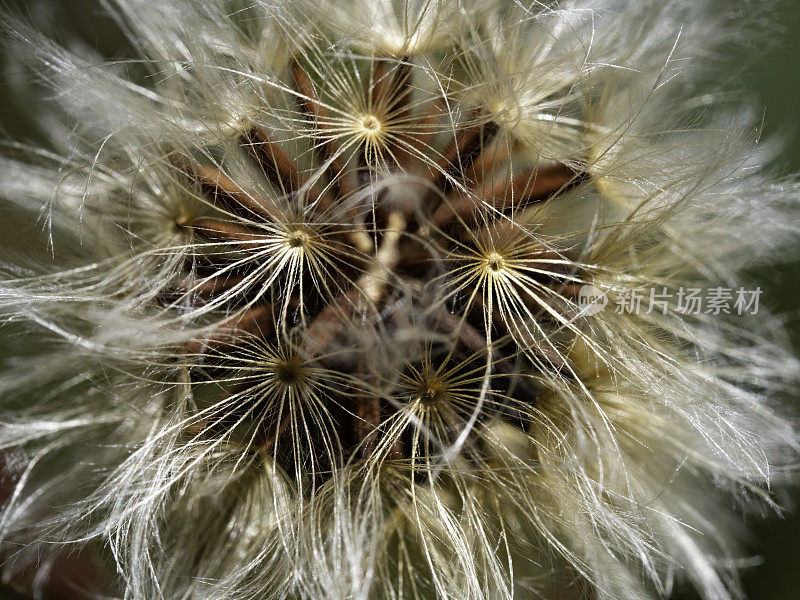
591	300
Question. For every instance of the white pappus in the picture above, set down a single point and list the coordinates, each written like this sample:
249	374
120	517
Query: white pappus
292	303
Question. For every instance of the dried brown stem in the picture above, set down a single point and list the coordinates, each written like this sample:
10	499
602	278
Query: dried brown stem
226	191
310	101
273	439
487	162
531	345
502	194
368	417
329	322
278	166
225	231
255	321
462	151
466	333
421	138
370	286
209	288
391	88
530	186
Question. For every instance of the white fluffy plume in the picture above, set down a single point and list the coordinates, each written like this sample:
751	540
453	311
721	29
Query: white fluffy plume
292	303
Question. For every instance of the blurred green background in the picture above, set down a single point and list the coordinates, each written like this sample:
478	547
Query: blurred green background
773	77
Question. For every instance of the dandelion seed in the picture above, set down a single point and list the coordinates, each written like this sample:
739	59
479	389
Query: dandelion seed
311	325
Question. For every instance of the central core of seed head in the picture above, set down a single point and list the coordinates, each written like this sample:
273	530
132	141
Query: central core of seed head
183	218
297	239
371	124
290	372
495	262
431	392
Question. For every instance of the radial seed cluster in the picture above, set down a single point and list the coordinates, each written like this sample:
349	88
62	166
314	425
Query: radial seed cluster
294	303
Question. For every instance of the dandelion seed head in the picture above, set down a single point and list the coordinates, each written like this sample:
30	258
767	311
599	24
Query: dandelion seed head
495	263
289	370
308	295
371	125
